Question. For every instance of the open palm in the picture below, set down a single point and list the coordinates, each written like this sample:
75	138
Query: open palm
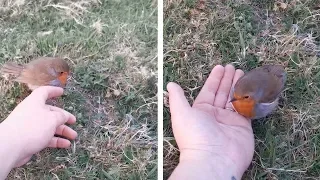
209	129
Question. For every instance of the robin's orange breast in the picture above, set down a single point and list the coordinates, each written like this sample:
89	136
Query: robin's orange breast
63	78
244	107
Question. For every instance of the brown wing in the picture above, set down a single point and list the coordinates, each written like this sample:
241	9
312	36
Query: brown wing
38	72
274	83
264	83
278	71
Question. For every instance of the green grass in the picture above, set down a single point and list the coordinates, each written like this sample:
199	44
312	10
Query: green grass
111	48
201	34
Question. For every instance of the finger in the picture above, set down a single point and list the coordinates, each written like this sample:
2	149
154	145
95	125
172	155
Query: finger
239	73
177	101
210	87
46	92
67	132
222	94
57	142
66	118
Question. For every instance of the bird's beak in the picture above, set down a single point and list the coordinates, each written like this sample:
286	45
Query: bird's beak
233	99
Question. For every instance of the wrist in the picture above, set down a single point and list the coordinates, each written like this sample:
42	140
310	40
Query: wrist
218	165
9	151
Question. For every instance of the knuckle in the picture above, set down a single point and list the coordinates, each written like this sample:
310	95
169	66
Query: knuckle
62	129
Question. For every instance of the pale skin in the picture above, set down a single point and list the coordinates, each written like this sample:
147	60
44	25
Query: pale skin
31	127
214	142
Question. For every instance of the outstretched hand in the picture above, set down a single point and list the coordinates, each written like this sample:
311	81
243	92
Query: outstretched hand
209	132
31	127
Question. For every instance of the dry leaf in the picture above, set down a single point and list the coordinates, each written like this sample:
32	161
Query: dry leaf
283	5
280	5
116	92
166	99
108	94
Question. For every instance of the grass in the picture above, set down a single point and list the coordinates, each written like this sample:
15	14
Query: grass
111	48
199	34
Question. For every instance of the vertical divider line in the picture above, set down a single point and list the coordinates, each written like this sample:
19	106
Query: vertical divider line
160	89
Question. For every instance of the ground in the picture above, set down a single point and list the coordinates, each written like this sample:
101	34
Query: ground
111	47
199	34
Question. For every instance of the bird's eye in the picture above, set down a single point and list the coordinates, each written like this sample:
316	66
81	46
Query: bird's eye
246	97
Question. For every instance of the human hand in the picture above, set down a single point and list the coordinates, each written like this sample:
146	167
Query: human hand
208	132
31	126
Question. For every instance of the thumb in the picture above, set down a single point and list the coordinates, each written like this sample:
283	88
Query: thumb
177	101
46	92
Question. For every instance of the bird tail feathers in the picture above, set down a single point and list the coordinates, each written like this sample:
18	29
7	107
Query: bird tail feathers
11	70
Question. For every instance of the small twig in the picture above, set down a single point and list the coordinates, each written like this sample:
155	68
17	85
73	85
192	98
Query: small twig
146	105
287	170
55	176
306	142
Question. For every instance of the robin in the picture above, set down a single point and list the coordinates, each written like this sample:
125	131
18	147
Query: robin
256	94
43	71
